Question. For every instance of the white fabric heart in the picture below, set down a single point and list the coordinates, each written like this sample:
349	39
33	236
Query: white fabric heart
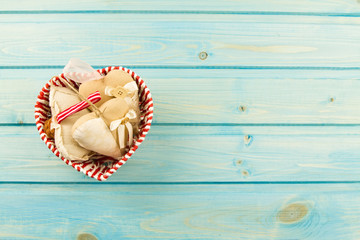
95	135
80	71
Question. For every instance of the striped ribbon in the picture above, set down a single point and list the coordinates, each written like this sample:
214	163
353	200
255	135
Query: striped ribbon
94	98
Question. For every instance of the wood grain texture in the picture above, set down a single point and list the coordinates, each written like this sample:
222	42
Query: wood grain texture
344	6
177	39
216	95
202	154
235	153
321	211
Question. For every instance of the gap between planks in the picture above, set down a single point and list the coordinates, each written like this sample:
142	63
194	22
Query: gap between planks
266	13
240	67
181	183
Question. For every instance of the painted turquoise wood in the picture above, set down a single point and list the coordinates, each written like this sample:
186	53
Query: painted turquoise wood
321	211
202	154
235	40
260	140
216	95
266	6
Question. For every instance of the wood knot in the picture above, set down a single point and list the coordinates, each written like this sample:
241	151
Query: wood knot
248	139
242	108
86	236
292	213
203	55
245	173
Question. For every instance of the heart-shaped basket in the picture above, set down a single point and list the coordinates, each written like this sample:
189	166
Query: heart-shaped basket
99	167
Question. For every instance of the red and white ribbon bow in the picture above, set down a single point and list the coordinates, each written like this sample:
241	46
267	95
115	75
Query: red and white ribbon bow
94	98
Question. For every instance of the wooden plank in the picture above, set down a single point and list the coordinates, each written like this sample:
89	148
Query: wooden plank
202	154
180	212
177	39
322	6
216	95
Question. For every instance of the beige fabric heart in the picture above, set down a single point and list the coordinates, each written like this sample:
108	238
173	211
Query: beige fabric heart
60	99
93	132
113	79
132	99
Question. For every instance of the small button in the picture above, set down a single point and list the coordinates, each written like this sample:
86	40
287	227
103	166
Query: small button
119	92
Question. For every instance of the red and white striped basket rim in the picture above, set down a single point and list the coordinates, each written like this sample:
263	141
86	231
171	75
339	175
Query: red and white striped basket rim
99	167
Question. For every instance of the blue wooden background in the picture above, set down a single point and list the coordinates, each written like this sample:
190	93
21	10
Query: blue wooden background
260	140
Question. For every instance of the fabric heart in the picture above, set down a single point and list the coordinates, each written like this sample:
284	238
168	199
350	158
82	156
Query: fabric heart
112	79
80	71
131	98
93	132
61	99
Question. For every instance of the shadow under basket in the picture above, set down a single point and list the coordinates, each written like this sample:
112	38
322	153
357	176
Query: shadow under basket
99	167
